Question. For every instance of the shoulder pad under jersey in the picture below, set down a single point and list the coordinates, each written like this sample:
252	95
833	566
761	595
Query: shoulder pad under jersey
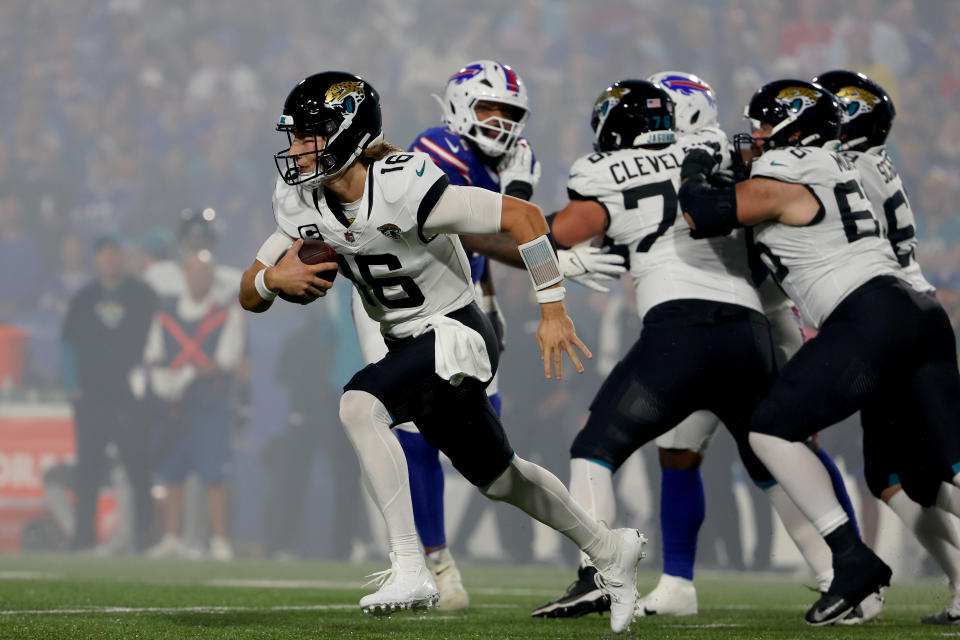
406	175
800	165
590	177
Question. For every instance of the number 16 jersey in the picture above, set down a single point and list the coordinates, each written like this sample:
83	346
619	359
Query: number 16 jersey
403	275
638	190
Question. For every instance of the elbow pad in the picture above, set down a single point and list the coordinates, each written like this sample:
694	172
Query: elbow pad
713	209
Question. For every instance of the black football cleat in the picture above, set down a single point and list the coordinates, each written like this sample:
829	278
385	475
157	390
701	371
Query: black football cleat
581	597
857	574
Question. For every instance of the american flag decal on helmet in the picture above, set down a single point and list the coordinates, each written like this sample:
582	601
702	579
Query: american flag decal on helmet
653	103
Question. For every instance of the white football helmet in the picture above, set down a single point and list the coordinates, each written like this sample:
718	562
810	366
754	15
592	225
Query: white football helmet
695	101
490	81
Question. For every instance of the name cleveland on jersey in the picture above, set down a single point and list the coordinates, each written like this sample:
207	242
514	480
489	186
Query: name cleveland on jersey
638	190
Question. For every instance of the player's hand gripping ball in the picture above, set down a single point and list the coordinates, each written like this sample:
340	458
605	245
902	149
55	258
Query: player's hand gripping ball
315	251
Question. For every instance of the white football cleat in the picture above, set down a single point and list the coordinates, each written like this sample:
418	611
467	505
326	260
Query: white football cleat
869	608
220	548
170	546
401	587
673	596
617	576
453	597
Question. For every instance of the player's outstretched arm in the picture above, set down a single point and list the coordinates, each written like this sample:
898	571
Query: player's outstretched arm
556	333
473	210
261	283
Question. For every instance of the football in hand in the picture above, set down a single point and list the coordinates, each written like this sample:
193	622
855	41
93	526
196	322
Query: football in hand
315	251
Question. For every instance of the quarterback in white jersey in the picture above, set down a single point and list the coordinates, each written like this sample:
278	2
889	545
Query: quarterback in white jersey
701	314
392	217
818	235
868	114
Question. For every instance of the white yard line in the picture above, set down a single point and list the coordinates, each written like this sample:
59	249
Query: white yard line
29	575
218	610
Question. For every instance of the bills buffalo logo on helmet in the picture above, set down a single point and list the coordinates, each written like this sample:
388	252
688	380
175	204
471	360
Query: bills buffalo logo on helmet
686	86
344	96
856	101
392	231
798	99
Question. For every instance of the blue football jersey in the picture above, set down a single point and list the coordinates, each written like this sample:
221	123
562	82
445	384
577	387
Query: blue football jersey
451	153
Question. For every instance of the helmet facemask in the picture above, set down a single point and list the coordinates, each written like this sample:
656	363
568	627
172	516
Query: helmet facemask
495	135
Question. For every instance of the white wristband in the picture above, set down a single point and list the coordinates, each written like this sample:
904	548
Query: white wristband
262	288
551	295
541	262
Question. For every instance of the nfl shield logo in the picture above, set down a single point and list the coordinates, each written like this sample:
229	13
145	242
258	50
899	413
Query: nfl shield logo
348	235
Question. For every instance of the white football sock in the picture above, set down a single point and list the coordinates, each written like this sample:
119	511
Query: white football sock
384	467
935	530
803	477
811	544
541	494
591	485
948	497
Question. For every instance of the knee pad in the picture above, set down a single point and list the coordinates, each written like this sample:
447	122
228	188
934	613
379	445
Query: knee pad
359	409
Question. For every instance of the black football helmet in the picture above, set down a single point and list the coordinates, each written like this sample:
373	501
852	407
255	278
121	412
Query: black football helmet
868	111
794	107
632	113
341	107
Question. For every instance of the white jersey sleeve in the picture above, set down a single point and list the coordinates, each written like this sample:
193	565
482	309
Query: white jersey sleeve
819	264
638	189
883	187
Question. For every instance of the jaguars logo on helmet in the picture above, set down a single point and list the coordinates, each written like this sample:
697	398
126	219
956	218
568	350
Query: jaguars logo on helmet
857	101
609	99
344	96
798	99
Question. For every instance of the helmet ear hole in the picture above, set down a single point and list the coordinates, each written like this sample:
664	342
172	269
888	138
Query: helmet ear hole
695	117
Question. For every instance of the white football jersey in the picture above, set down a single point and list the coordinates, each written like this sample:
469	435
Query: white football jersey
638	189
883	187
403	277
819	264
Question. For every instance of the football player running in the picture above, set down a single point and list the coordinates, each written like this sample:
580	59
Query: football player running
868	114
485	109
881	346
393	219
701	314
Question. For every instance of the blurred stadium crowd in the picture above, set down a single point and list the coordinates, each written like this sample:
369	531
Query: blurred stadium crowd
121	114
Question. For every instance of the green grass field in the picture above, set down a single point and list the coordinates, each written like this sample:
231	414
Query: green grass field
63	596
